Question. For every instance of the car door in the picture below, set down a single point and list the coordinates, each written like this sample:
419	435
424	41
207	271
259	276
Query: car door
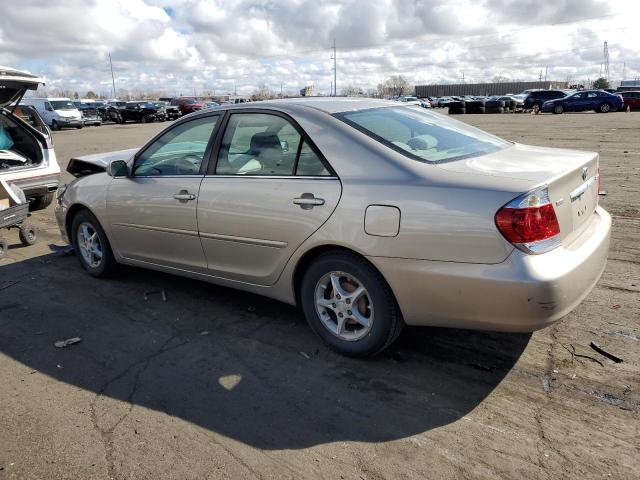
152	212
592	101
575	102
267	192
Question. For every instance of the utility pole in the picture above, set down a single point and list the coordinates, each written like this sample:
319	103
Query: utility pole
463	76
335	70
624	70
546	69
604	71
113	79
540	76
281	96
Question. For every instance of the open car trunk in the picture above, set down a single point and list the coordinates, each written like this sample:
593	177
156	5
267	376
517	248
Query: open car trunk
19	142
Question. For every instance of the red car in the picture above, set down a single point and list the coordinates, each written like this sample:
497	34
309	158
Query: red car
631	100
187	104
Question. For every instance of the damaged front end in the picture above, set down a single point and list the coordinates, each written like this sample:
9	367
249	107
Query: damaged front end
97	163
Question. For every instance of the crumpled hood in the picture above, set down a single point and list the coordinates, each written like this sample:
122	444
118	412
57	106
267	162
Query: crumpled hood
522	162
98	162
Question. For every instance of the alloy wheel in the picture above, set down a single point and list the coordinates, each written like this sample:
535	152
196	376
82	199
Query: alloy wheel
344	305
89	245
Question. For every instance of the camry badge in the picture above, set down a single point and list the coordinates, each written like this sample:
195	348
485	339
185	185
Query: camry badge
584	172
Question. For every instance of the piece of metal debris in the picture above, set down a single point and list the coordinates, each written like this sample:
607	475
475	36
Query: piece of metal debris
162	294
305	355
615	307
61	251
204	332
67	342
602	351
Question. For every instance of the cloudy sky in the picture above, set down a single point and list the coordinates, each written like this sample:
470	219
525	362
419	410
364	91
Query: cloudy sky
182	46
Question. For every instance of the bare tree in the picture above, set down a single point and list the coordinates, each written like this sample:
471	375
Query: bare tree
394	86
263	92
500	79
91	94
352	91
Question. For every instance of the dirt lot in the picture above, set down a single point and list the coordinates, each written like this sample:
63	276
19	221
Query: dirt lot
215	383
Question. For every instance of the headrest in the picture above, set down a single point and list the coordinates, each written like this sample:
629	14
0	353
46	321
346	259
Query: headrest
264	140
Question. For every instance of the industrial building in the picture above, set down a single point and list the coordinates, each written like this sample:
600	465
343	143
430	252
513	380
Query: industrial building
501	88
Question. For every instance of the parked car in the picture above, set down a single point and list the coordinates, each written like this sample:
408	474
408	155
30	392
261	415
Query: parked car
585	100
90	114
368	214
186	105
57	112
27	157
537	98
172	111
631	99
142	112
206	105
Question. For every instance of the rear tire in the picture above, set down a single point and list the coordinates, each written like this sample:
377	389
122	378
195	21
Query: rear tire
28	234
95	256
363	331
558	109
604	108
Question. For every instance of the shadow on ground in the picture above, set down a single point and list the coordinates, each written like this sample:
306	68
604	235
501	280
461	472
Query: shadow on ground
241	365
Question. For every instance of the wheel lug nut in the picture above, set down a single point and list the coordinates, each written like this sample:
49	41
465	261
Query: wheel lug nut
338	297
348	312
333	305
348	300
340	314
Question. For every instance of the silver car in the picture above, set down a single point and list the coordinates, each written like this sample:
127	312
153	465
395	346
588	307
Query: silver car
367	214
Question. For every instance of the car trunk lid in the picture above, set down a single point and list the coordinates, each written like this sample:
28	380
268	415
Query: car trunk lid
571	176
14	84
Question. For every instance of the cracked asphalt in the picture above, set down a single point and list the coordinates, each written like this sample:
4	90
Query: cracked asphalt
215	383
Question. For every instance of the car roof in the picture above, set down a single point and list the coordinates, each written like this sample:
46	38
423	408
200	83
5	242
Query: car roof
328	105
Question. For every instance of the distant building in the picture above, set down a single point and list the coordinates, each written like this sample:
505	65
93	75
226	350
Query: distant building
501	88
626	85
307	91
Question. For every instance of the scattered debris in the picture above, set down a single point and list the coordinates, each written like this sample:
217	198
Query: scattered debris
6	285
61	251
59	366
602	193
615	307
67	342
573	353
602	351
616	323
305	355
162	294
204	332
630	336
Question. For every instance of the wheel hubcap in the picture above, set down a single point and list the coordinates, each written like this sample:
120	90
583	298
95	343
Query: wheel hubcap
344	305
89	244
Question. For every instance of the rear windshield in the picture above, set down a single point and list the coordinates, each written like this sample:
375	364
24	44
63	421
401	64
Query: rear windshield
422	135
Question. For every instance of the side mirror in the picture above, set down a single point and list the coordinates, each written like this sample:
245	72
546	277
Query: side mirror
118	168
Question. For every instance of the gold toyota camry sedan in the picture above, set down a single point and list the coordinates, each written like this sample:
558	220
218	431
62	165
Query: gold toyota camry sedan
367	214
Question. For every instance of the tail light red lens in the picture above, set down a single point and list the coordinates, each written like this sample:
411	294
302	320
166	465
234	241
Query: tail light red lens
529	222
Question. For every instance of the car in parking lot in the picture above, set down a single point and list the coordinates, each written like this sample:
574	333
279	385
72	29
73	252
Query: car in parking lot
585	100
27	157
631	100
367	214
186	105
538	97
142	111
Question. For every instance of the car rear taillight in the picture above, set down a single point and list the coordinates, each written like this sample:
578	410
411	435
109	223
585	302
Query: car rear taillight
529	222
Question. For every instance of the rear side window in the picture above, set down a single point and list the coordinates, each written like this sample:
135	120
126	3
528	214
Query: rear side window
266	145
422	135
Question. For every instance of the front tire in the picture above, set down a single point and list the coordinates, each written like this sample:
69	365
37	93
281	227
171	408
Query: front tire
349	305
92	246
558	109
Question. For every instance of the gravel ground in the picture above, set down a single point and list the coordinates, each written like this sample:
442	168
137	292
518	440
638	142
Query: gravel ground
215	383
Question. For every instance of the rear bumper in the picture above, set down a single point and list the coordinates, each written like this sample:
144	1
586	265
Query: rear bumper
38	185
70	122
522	294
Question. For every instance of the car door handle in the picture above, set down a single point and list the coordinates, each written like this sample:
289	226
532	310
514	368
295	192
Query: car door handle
307	201
184	196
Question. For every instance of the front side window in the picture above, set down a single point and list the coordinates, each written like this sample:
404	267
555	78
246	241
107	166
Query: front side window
422	135
266	145
179	151
62	105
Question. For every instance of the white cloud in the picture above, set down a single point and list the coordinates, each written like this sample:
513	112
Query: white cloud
181	45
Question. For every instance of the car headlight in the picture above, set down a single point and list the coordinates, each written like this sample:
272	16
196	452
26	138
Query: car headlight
61	191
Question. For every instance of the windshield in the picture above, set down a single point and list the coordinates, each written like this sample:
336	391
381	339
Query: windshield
422	135
62	105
